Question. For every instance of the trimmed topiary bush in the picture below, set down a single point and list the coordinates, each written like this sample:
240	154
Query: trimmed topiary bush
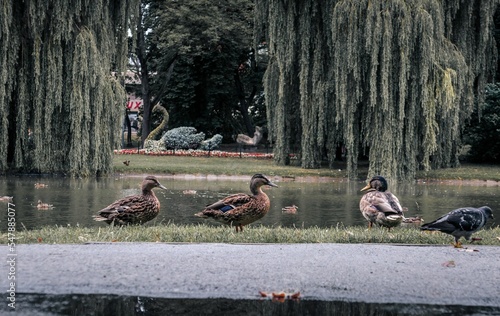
183	137
211	143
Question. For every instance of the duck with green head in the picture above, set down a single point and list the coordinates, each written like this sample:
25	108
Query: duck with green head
241	209
380	206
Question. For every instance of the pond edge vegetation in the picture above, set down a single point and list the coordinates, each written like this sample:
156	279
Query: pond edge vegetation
203	233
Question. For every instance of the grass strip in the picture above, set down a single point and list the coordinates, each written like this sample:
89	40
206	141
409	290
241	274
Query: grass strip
204	233
146	164
214	166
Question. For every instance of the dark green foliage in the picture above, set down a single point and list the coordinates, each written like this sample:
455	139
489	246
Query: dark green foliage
212	40
483	132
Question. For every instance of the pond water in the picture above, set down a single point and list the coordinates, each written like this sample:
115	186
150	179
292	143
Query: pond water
73	304
321	204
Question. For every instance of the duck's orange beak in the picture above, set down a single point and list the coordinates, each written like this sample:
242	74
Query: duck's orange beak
366	187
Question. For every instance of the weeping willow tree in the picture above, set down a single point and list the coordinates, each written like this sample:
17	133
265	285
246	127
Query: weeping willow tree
60	105
395	80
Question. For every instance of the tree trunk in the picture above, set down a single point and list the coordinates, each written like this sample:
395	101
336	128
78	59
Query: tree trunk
144	74
244	102
129	128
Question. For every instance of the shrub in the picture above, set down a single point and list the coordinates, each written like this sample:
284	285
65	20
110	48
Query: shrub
182	138
211	143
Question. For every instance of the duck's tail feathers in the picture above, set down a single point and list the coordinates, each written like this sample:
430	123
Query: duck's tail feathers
100	218
200	214
395	217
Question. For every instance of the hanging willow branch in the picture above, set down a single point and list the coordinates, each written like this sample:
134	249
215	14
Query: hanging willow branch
392	79
60	105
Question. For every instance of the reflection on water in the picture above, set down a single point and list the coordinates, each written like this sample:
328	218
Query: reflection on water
39	304
320	204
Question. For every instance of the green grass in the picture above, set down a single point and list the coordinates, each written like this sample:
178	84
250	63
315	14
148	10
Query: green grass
252	234
215	166
143	164
464	172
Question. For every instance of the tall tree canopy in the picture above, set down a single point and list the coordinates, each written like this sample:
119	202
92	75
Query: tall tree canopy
59	103
393	79
215	78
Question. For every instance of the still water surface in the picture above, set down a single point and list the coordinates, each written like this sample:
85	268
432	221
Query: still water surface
322	204
73	304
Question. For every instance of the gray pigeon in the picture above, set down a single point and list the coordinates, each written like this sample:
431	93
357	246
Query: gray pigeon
462	222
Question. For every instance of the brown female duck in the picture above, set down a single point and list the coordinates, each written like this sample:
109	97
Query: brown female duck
241	209
133	209
380	206
6	198
290	209
414	221
44	206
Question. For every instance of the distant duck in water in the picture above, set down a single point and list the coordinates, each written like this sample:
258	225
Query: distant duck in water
41	185
415	221
44	206
133	209
241	209
6	198
462	222
380	206
290	209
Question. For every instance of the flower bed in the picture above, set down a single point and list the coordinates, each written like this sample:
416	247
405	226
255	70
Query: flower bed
193	153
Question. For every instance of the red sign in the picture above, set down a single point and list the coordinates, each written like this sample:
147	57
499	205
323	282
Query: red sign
134	105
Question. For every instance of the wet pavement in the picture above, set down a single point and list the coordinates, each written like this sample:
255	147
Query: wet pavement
371	273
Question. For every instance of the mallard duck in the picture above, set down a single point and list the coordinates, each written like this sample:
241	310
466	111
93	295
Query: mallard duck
241	209
6	198
41	185
133	209
414	221
43	206
462	222
380	206
290	209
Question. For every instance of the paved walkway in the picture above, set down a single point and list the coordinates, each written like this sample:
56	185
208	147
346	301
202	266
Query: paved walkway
352	272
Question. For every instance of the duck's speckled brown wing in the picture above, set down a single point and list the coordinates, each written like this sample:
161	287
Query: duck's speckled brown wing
238	209
382	208
131	210
234	201
374	201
